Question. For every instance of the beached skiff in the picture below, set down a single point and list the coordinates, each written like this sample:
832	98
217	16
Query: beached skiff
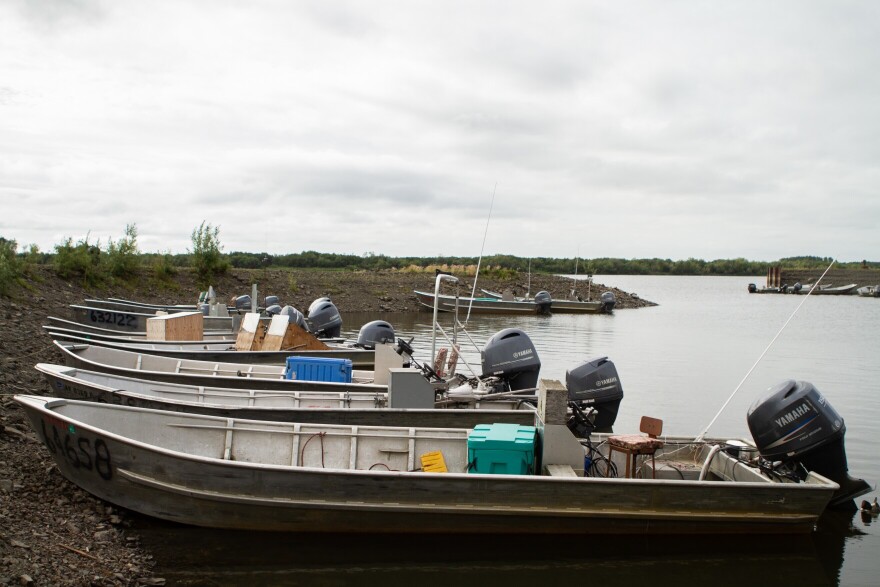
350	408
223	352
248	474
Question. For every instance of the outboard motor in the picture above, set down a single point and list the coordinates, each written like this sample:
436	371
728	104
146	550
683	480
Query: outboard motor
324	319
608	300
375	332
593	385
511	357
794	424
295	316
753	288
797	287
271	301
315	304
242	302
273	309
543	301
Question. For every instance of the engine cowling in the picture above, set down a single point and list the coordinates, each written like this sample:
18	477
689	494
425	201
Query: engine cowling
295	316
595	385
324	319
543	301
511	356
375	332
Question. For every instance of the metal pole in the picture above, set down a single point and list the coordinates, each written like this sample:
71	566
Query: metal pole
440	277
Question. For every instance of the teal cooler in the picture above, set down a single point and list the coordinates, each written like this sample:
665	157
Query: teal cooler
502	449
318	369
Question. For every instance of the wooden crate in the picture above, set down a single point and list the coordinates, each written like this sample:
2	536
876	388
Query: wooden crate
179	326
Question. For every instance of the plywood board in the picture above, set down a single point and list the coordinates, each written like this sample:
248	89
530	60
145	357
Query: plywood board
283	335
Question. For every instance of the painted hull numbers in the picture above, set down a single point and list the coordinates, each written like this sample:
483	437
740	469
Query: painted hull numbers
113	318
79	452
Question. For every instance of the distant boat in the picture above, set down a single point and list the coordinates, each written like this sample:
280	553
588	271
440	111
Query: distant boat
797	288
840	290
542	303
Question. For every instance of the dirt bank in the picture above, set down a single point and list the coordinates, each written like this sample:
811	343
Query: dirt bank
51	532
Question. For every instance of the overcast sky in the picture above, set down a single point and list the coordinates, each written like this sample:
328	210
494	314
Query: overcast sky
621	129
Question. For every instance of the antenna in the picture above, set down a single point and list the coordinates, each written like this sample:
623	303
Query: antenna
480	260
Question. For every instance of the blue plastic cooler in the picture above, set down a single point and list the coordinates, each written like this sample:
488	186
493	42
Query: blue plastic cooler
318	369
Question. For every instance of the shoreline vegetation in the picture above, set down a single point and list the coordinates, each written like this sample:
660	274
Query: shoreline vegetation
120	262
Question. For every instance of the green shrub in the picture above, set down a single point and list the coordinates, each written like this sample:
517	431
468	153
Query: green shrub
10	265
81	260
123	257
207	257
163	267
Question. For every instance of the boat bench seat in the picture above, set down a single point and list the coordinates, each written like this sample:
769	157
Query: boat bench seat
560	471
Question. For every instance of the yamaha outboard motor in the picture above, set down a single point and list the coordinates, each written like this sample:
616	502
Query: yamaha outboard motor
373	333
315	304
593	385
608	300
295	316
273	309
794	424
510	356
543	301
242	302
324	319
271	301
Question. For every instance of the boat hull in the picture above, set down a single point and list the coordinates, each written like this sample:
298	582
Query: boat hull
190	478
353	409
126	321
220	351
192	372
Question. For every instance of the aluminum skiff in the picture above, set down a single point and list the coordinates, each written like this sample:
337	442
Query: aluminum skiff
350	408
223	352
249	474
207	373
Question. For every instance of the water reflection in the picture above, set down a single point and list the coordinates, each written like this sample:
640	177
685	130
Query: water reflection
212	557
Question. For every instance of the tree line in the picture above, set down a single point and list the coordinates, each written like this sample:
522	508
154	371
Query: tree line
94	263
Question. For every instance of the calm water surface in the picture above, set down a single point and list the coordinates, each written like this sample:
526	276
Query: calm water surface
678	361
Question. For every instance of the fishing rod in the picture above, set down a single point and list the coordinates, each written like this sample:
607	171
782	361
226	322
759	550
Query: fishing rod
700	436
480	260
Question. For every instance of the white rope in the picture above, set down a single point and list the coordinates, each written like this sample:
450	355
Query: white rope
699	438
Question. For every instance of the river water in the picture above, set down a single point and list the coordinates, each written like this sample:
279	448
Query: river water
679	361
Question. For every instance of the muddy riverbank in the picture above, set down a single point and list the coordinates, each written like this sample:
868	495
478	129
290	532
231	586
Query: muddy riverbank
51	532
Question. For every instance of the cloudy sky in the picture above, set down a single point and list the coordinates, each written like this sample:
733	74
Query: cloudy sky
624	129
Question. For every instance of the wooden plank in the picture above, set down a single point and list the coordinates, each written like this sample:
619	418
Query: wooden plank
250	335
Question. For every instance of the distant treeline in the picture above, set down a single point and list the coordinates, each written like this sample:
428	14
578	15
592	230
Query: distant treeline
96	264
598	266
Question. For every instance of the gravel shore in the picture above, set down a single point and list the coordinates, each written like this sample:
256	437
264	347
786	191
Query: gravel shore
53	533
